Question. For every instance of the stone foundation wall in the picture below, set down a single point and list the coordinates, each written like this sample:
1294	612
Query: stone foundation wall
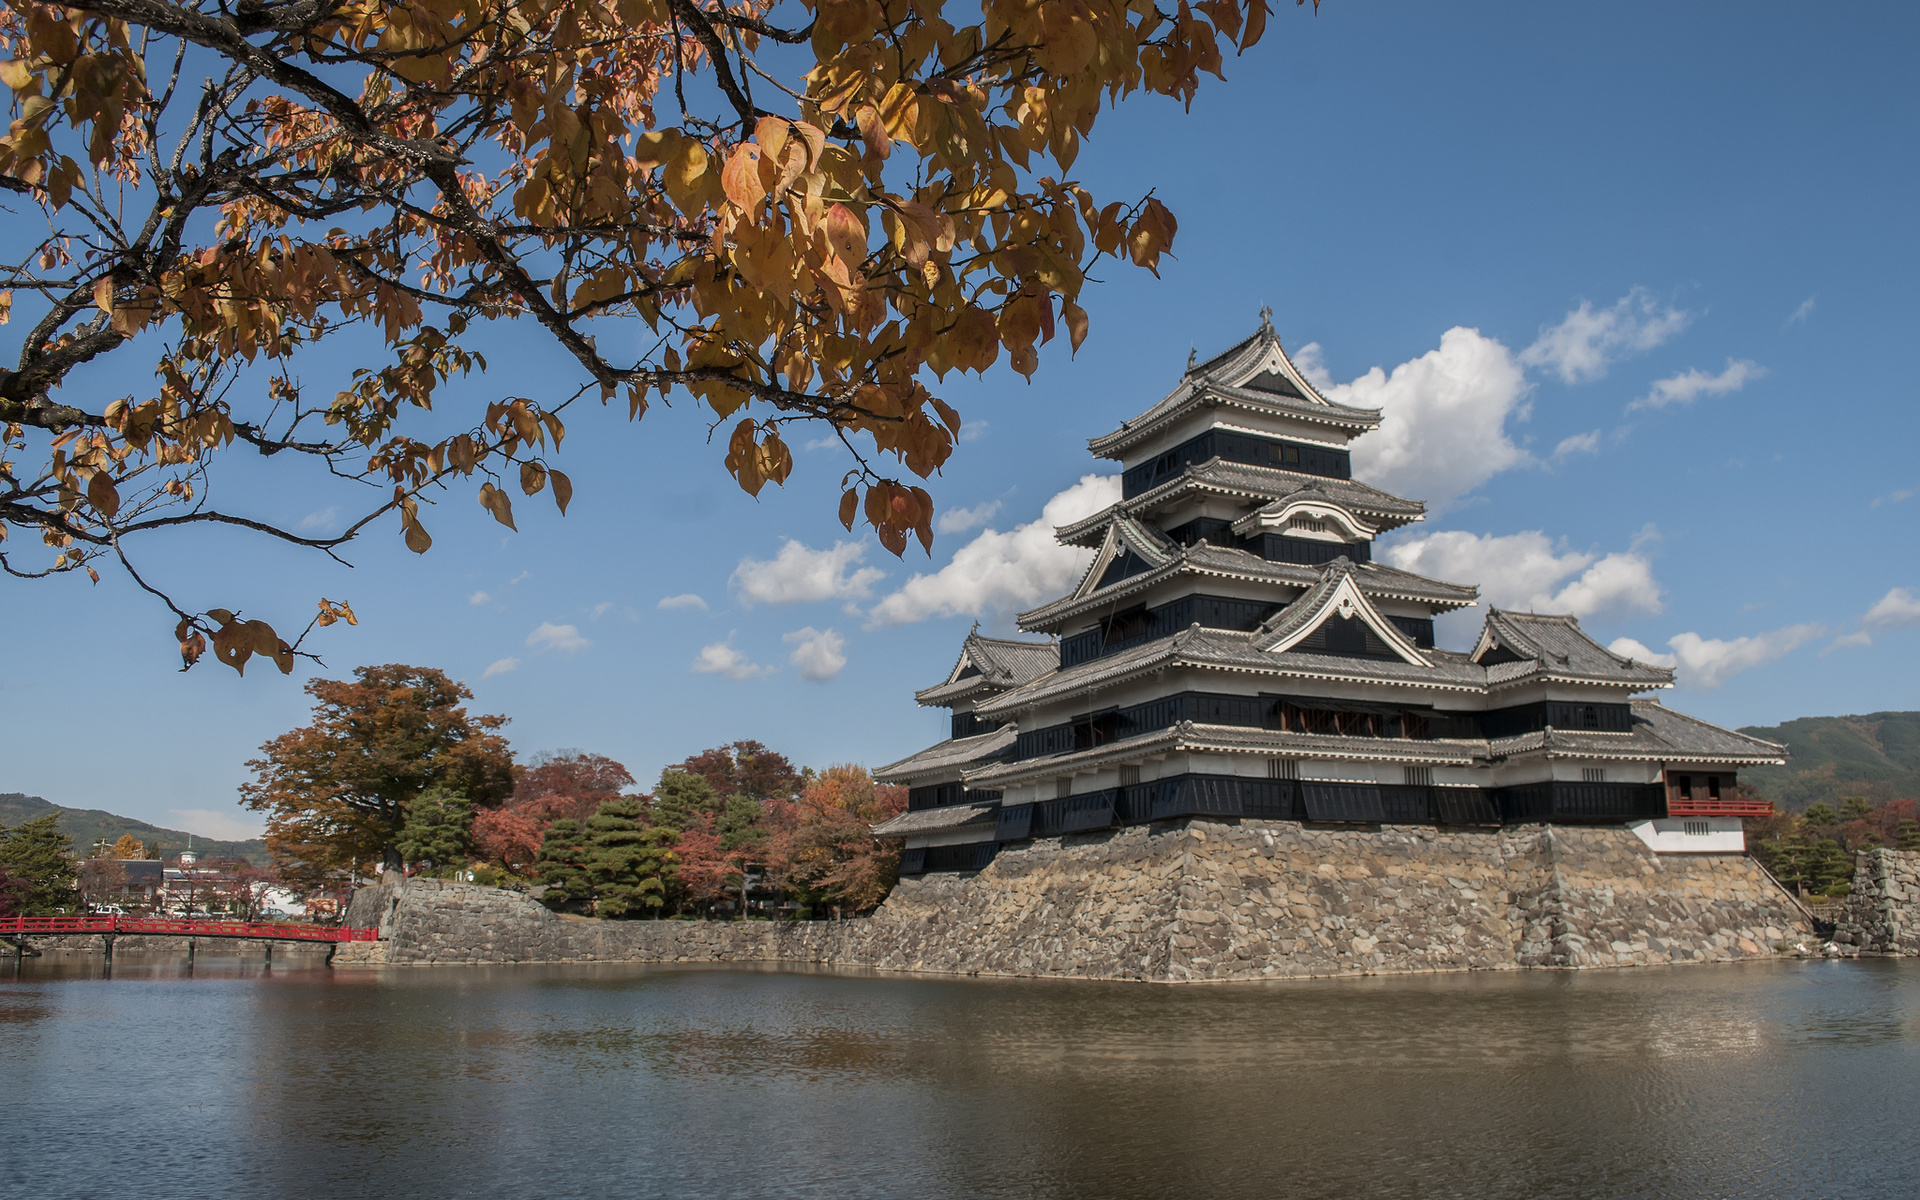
1882	912
1196	900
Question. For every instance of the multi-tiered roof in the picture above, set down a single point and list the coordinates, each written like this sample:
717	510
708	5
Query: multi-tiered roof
1233	650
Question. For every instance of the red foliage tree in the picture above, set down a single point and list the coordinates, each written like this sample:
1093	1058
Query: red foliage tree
744	768
570	783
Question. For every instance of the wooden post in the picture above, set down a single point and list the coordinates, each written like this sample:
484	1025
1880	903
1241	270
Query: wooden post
190	948
269	956
107	938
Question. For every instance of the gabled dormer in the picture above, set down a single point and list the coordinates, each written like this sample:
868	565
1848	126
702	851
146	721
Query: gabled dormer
1250	405
987	667
1129	549
1334	617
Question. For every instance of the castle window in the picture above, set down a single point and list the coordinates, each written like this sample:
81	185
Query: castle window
1418	776
1590	717
1062	788
1593	774
1695	828
1129	775
1713	787
1283	768
1686	787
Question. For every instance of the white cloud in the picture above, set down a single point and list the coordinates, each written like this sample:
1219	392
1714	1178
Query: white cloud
973	431
816	652
1858	637
1893	497
519	579
1706	663
684	600
600	610
1579	443
500	666
1443	420
1580	348
1527	571
821	443
1898	607
997	571
327	519
959	520
722	659
1802	313
1626	647
557	637
209	823
478	598
1689	385
798	575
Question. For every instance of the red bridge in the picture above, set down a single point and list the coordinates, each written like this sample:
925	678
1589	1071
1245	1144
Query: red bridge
167	926
18	929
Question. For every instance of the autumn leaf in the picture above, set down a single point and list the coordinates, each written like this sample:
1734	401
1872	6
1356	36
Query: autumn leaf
890	201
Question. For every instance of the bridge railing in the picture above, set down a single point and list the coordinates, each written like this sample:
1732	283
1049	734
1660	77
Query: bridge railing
114	924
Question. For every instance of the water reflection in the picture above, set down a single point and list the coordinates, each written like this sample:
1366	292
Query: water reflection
1775	1080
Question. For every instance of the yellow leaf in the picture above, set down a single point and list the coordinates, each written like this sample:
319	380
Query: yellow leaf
103	495
417	538
562	491
533	477
1076	319
495	501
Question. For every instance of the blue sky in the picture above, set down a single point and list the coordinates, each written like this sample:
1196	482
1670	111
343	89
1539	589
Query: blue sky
1635	278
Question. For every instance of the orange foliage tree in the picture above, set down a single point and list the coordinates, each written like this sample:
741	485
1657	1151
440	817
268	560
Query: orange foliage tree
822	848
811	206
335	792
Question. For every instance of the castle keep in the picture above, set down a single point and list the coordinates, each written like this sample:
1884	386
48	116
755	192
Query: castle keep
1234	651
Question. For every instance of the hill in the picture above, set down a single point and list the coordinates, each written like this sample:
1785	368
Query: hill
1876	756
89	825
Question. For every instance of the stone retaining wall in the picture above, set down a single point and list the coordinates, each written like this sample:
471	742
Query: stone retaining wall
1195	900
1882	912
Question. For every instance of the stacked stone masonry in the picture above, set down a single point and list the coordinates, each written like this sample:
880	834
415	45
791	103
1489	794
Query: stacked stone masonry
1191	901
1882	913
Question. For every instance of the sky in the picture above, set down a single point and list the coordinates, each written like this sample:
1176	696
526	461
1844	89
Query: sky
1634	284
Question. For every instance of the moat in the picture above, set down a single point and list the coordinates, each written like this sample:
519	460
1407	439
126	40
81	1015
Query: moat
1782	1079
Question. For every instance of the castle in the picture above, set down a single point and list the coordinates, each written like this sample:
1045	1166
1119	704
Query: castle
1235	651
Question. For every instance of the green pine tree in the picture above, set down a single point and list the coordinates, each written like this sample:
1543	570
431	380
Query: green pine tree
1831	868
680	799
1821	815
626	860
561	866
1906	834
438	828
38	861
1856	808
740	823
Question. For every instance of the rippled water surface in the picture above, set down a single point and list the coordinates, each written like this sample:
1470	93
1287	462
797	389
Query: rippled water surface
1790	1080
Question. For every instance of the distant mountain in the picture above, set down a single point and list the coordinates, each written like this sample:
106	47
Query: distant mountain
1876	756
89	825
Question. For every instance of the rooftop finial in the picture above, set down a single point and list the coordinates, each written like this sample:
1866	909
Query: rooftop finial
1193	356
1266	317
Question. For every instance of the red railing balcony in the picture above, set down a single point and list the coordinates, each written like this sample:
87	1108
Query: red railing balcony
1727	806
